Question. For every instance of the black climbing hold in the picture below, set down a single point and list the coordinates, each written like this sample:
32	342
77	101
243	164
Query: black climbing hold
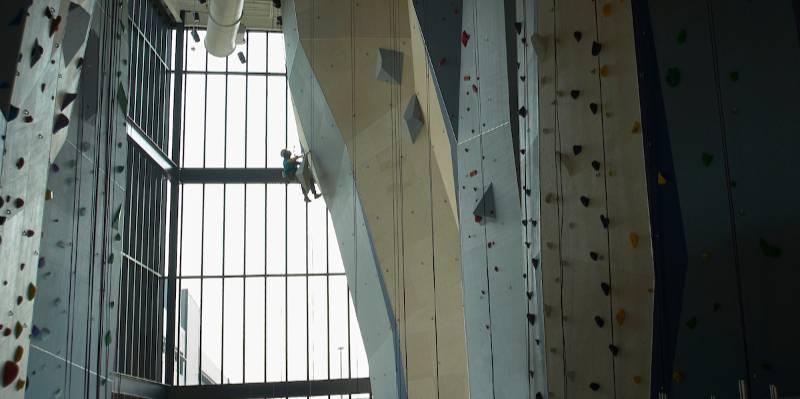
119	168
61	122
614	349
596	47
242	58
596	165
606	288
485	207
673	77
599	321
682	36
593	107
575	94
528	192
195	35
770	251
734	76
518	27
531	318
19	203
691	323
20	163
717	306
594	386
707	159
530	294
68	99
604	221
585	201
539	395
593	255
276	3
523	112
29	233
576	149
577	35
280	20
36	52
535	262
55	168
12	113
524	222
79	63
522	151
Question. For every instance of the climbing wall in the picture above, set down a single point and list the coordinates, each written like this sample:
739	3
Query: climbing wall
495	274
596	262
720	95
63	256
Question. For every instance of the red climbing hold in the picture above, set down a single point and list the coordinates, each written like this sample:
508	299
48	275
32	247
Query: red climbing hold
464	38
473	173
442	61
474	88
54	25
10	373
478	219
467	78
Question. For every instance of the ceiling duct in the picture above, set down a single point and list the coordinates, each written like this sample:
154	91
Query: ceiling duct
224	17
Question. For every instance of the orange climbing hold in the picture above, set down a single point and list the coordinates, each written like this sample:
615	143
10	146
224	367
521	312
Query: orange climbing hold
621	317
634	239
678	376
604	71
661	179
637	379
607	10
18	354
637	127
31	291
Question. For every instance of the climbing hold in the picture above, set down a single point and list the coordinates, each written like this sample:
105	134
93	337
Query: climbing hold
36	52
637	379
18	354
577	35
20	163
29	233
607	10
19	203
606	288
769	250
55	23
474	88
575	94
614	349
107	338
682	36
691	323
604	221
68	99
441	61
633	238
523	112
10	372
473	173
734	76
620	317
596	47
535	263
593	107
604	71
576	149
518	27
673	77
12	113
599	321
585	201
485	207
596	165
593	255
678	376
637	126
539	44
389	66
20	384
28	119
413	117
242	58
716	306
61	122
707	159
661	179
594	386
122	98
18	330
464	38
31	291
531	318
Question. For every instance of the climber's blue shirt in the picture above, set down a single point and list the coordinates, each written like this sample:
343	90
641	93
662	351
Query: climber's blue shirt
289	167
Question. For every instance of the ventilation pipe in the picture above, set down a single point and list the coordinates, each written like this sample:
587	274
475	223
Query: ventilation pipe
224	17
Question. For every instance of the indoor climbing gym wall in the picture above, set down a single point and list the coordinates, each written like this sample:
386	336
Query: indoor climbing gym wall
371	117
59	196
719	99
596	260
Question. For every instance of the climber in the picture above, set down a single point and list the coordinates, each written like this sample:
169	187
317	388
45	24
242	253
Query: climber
291	165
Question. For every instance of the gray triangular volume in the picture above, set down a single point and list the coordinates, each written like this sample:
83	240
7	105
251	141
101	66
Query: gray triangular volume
485	208
413	117
390	66
77	25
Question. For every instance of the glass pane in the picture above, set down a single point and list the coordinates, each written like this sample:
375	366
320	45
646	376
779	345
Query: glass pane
257	48
296	231
297	328
234	229
234	63
335	264
256	121
317	239
318	327
255	239
276	228
276	329
194	103
255	336
276	120
196	51
215	122
191	230
359	367
189	332
233	330
339	349
212	230
277	53
211	348
215	64
292	135
235	133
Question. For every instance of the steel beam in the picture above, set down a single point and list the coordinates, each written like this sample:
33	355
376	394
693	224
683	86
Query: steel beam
232	175
272	389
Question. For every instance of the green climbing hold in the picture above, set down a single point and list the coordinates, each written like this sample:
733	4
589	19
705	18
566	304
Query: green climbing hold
769	250
734	76
682	36
122	98
691	323
707	159
673	77
108	338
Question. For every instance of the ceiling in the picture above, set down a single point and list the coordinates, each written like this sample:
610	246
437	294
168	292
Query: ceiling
258	14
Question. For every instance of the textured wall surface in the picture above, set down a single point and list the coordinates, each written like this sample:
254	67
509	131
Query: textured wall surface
720	96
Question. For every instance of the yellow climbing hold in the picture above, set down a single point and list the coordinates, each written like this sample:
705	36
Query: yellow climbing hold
678	376
661	179
48	195
31	291
604	71
621	317
607	10
18	354
637	127
634	239
20	384
637	379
